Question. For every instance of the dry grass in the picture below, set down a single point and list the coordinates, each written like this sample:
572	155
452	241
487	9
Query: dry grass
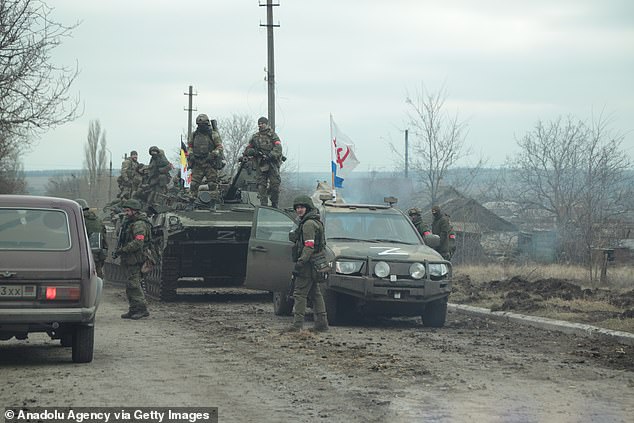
594	311
621	277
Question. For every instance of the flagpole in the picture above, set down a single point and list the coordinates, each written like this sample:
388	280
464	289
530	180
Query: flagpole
332	160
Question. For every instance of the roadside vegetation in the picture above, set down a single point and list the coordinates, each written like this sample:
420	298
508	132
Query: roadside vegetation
563	292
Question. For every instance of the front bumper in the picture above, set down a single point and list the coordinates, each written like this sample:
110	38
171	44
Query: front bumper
373	289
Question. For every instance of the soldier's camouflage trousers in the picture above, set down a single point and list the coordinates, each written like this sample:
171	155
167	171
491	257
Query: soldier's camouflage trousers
269	185
203	169
306	286
133	290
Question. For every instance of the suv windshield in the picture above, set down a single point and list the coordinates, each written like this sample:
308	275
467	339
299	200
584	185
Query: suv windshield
370	226
33	229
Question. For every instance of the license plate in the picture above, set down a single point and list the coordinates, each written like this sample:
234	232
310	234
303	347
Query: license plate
17	291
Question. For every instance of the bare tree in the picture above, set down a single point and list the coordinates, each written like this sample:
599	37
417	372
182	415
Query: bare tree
95	161
236	132
34	92
577	172
12	180
438	139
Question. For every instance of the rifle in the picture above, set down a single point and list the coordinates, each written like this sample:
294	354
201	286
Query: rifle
233	188
121	237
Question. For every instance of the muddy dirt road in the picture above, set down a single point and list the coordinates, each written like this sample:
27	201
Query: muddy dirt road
227	351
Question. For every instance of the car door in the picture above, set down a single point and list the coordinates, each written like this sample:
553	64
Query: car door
269	263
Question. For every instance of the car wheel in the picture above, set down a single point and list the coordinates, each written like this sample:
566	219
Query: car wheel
282	303
83	344
331	299
435	313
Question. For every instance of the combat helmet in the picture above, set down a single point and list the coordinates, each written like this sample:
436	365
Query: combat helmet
303	200
154	148
263	120
414	211
132	204
83	203
202	119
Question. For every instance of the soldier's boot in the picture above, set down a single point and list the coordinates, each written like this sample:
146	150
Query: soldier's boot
127	314
140	314
295	327
321	323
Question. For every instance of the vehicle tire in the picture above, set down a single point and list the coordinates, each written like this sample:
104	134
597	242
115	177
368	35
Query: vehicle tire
435	313
331	299
83	344
282	303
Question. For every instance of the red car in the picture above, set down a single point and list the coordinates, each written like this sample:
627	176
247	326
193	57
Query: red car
48	279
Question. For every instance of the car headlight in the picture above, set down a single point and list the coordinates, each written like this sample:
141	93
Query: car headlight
438	269
348	267
381	269
417	270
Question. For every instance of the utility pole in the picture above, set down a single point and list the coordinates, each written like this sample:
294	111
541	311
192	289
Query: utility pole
406	152
189	109
270	70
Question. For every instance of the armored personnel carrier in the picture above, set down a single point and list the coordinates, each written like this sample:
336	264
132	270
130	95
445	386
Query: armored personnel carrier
197	244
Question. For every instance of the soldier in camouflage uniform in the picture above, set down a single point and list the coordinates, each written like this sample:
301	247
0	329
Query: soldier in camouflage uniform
95	225
135	232
440	226
205	157
309	238
415	215
265	148
130	178
156	177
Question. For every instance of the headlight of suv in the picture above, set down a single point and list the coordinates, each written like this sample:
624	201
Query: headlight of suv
348	267
381	269
438	269
417	270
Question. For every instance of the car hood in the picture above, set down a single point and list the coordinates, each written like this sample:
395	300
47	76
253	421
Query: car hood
382	251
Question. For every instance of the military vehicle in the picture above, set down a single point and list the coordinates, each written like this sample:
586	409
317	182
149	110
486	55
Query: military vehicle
197	244
381	264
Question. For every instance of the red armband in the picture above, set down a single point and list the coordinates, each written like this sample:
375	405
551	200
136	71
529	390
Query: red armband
140	237
309	243
426	233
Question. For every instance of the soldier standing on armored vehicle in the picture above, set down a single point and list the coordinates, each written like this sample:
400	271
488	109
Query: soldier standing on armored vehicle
156	177
205	157
130	177
135	232
266	149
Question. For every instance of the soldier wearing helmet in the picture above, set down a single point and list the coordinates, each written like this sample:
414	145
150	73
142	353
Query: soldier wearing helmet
440	226
415	215
310	239
156	177
95	230
205	156
130	178
135	234
265	148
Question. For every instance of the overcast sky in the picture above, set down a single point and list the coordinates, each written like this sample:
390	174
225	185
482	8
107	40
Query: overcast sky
504	65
